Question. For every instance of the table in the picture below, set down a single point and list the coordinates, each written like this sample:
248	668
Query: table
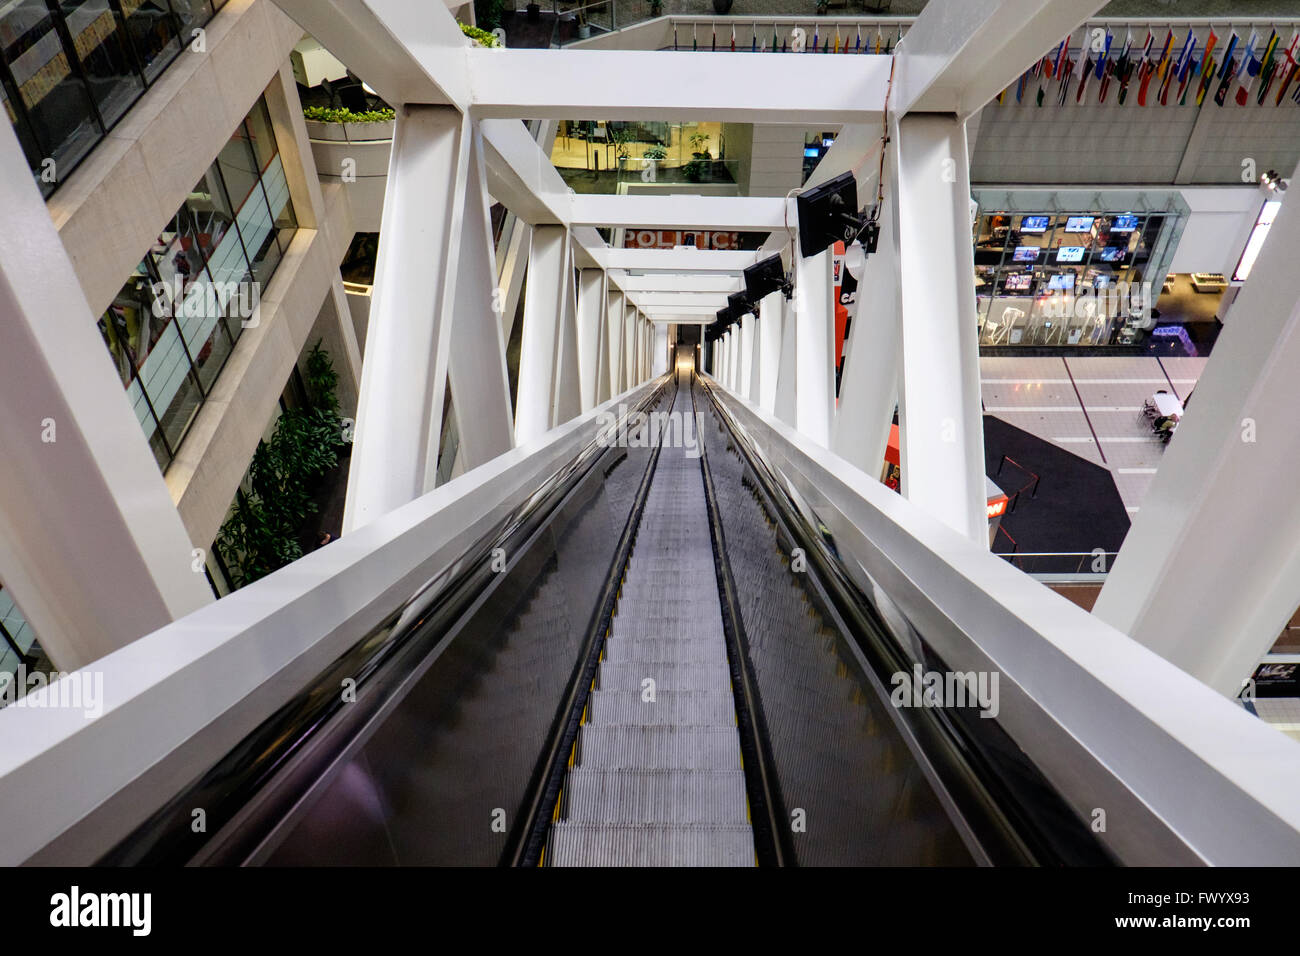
1167	404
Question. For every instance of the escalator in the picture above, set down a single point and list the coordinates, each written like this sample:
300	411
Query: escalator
655	659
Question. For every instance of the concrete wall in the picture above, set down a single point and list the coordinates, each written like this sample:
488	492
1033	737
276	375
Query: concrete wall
1218	225
112	208
1108	143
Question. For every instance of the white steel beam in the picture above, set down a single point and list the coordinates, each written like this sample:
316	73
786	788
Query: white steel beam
92	548
406	52
958	56
814	318
548	268
591	322
684	282
770	319
399	414
869	384
672	260
744	213
480	386
521	175
940	422
612	84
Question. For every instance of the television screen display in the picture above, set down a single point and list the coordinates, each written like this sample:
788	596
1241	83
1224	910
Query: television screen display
1113	253
1078	224
1018	282
812	152
1124	224
1025	254
1063	281
1034	223
1069	254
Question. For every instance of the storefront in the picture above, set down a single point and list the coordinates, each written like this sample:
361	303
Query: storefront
1072	267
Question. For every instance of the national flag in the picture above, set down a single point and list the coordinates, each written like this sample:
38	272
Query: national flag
1065	73
1229	74
674	36
1116	67
733	38
713	46
1187	70
1263	71
877	39
1207	78
1251	65
695	42
1105	55
837	38
816	34
857	44
1274	68
1227	55
1152	69
1288	69
1138	68
1178	67
1084	74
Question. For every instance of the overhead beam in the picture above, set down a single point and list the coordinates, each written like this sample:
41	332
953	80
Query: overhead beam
672	300
373	39
521	176
617	84
672	260
958	56
679	212
661	282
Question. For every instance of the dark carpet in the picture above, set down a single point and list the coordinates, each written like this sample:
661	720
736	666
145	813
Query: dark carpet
1078	507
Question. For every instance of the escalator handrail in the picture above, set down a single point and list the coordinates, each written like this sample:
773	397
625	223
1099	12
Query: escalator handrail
27	778
1081	698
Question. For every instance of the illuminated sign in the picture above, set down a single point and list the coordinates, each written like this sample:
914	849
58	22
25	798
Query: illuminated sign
997	507
671	238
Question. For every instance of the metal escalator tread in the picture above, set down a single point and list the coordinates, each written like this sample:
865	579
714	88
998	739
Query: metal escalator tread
656	778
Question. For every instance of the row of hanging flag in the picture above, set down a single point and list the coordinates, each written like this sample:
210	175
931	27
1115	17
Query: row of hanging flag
1218	68
796	41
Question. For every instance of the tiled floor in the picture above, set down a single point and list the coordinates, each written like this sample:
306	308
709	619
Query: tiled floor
1282	712
1091	407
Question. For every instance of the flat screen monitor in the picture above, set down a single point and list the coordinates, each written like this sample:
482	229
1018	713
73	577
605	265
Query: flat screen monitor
1018	282
1078	224
1025	254
1063	281
1113	253
811	152
1124	224
1070	254
1034	223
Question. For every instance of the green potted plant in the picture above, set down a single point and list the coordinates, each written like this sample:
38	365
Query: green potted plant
701	164
654	155
480	37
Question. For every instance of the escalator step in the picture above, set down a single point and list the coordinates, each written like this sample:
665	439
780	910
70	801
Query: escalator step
663	797
628	675
624	747
646	845
679	708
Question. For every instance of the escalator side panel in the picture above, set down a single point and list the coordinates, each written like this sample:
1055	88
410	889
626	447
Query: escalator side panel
442	779
855	792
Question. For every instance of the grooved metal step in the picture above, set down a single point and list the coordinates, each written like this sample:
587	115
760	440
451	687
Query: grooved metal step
644	845
661	782
660	797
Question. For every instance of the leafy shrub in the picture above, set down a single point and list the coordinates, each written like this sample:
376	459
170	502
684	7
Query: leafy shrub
325	114
482	36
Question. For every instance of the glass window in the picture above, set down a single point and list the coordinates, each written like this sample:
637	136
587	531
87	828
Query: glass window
152	29
55	99
191	14
176	321
101	49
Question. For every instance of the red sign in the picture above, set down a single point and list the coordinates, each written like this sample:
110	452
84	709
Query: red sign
670	238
